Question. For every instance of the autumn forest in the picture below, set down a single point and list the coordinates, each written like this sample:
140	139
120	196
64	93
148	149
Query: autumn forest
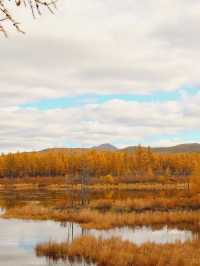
138	165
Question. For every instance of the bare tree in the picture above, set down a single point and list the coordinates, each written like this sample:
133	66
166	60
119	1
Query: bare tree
34	5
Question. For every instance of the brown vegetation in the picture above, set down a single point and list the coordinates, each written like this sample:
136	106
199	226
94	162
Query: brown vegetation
94	219
58	182
95	184
148	203
115	252
195	179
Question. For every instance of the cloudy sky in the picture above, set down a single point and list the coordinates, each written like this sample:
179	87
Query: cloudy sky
125	72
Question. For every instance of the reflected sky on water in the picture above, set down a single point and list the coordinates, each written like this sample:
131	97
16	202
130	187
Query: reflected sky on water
18	238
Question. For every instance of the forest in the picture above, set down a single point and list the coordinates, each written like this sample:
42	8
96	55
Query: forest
140	164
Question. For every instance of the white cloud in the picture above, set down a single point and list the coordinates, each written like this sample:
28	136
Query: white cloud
115	121
100	47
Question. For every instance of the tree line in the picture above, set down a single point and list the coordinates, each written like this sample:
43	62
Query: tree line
141	163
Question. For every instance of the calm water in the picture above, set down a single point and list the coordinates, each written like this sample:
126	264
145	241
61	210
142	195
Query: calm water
18	238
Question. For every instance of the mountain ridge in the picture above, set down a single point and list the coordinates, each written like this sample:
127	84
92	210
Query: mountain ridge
180	148
105	146
184	147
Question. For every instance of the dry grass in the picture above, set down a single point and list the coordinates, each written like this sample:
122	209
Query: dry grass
58	182
115	252
94	219
148	203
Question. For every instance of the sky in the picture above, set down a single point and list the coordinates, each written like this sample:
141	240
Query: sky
121	72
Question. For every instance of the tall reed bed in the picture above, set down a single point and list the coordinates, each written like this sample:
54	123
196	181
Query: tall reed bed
94	219
115	252
147	203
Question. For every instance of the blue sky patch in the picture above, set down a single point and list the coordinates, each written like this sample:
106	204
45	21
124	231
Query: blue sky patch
80	100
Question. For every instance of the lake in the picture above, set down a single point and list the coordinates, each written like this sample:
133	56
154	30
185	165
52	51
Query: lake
18	238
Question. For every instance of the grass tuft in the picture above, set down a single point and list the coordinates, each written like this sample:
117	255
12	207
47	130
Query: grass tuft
115	252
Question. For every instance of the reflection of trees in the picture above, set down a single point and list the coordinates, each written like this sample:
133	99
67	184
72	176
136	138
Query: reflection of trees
72	229
85	173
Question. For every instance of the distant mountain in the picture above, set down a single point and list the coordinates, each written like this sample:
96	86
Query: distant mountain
105	147
102	147
64	150
190	147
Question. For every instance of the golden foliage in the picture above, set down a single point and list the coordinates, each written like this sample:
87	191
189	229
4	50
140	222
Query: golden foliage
195	179
115	252
116	166
94	219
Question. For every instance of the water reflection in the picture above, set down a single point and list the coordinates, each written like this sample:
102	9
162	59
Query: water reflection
138	236
66	197
18	238
144	234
